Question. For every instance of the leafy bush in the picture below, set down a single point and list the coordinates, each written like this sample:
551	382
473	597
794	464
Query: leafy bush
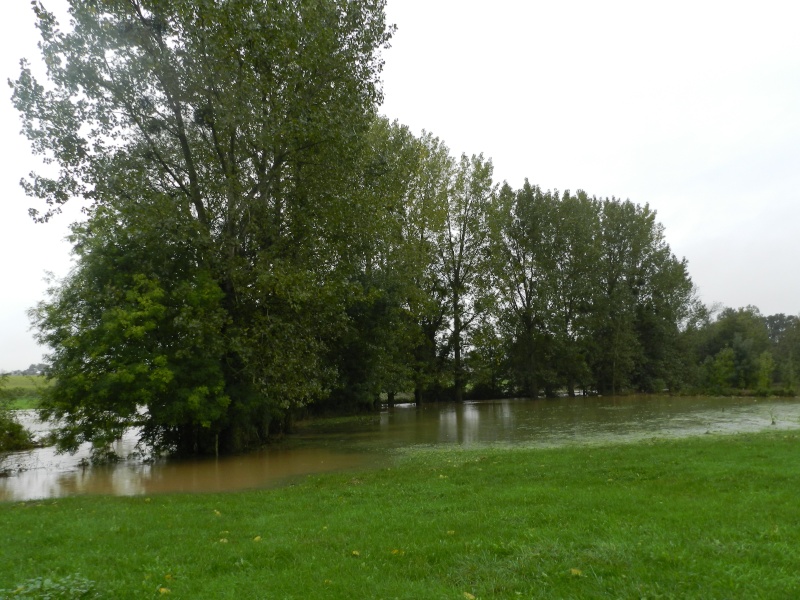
13	436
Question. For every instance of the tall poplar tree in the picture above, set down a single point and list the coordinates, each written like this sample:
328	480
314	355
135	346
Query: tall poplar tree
461	247
215	145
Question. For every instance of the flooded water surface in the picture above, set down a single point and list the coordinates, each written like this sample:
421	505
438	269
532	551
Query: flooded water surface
43	474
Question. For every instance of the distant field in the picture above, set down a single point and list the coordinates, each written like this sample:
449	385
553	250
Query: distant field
23	390
27	382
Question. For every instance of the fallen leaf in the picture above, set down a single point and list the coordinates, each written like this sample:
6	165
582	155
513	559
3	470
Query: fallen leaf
356	553
257	538
576	572
469	596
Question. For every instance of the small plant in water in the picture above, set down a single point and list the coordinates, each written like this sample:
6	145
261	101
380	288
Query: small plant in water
772	416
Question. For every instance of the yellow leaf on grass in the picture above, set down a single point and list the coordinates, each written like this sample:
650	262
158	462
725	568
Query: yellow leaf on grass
356	553
257	538
469	596
163	590
576	572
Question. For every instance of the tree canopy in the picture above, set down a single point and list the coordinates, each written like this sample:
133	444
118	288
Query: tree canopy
259	241
215	145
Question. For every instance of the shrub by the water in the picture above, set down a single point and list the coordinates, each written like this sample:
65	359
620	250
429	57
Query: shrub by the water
13	436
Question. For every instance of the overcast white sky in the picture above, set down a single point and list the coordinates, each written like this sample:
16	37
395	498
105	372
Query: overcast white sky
692	107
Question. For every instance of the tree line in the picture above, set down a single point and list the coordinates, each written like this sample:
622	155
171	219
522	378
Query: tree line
258	241
734	351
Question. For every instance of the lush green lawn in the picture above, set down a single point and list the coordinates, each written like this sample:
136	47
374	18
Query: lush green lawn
711	517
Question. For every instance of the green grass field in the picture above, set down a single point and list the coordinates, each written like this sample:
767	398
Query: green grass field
711	517
27	382
23	391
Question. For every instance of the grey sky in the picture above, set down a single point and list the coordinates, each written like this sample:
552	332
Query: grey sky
692	107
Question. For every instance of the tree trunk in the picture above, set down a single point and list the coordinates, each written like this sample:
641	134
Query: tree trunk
458	376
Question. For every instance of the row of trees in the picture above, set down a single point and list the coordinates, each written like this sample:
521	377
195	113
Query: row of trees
735	350
257	240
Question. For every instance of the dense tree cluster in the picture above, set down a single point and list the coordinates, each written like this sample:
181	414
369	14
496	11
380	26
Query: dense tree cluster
259	241
742	351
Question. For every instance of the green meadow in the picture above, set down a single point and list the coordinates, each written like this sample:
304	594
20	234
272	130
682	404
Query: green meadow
706	517
22	391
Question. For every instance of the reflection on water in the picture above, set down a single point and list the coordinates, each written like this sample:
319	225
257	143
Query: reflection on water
43	474
584	420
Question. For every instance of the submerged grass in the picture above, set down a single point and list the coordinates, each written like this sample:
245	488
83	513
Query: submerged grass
711	517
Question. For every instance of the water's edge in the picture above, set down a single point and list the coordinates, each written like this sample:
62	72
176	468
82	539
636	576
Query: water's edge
41	473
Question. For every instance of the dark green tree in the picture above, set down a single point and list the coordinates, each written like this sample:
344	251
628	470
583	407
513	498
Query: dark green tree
462	246
644	294
238	127
784	334
522	269
574	283
375	351
745	333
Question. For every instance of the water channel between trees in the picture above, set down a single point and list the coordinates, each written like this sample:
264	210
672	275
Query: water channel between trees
369	441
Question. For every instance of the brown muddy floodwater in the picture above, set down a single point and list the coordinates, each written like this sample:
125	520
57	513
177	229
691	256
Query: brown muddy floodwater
370	441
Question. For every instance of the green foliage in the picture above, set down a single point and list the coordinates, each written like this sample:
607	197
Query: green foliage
744	352
215	147
461	247
258	241
13	436
130	328
721	371
765	370
587	293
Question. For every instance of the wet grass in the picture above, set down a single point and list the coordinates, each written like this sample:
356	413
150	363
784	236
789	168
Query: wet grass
710	517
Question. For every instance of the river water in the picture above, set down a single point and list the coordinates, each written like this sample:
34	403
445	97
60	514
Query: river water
370	440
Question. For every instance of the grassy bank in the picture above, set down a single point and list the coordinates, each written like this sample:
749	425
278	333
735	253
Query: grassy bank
708	517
